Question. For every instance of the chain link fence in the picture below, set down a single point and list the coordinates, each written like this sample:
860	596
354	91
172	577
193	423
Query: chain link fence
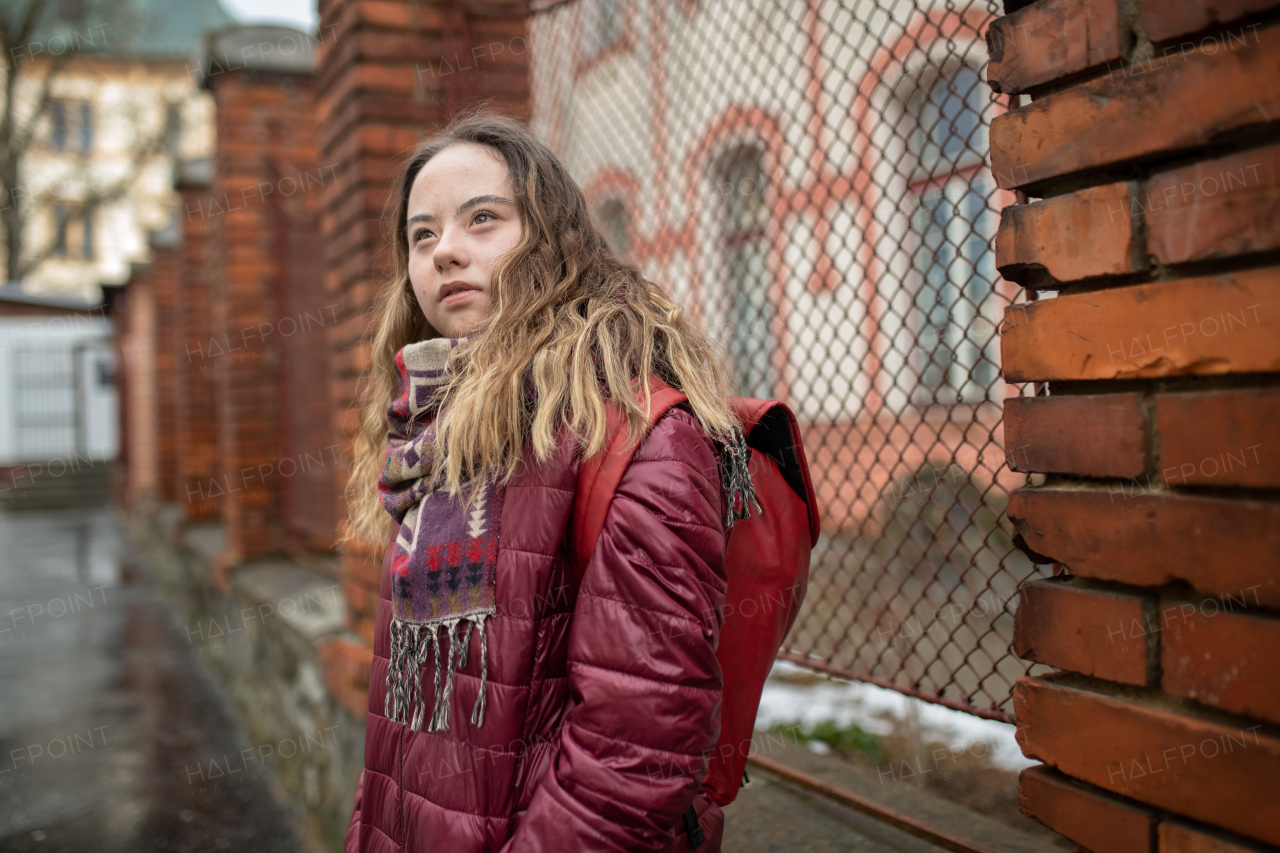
810	176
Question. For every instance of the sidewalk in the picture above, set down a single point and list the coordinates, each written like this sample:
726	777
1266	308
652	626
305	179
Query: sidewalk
774	814
114	738
157	727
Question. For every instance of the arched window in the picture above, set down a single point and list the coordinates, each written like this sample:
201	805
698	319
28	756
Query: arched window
747	310
955	310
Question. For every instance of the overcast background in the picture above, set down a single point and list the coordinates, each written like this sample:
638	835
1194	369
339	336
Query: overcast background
293	13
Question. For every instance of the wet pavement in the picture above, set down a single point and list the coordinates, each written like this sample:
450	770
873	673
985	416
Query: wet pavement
110	728
116	736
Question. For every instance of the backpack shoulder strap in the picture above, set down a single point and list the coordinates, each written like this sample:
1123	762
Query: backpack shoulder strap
599	476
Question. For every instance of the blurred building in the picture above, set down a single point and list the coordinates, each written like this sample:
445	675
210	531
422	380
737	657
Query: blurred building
814	184
813	181
57	383
122	105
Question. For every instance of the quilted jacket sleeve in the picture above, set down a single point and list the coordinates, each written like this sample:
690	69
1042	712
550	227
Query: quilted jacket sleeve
644	678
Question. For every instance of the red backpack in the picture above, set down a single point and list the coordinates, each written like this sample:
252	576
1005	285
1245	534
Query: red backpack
766	557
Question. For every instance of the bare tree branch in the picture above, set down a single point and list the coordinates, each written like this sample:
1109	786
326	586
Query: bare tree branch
30	21
11	65
142	156
21	139
18	133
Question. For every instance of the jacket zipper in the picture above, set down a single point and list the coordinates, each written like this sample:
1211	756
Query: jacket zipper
404	829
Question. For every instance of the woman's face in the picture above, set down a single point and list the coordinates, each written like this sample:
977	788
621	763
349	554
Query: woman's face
462	218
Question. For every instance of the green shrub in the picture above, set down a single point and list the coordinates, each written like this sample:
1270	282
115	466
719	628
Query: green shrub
846	740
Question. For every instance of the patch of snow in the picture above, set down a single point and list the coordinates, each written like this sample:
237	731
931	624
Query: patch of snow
881	712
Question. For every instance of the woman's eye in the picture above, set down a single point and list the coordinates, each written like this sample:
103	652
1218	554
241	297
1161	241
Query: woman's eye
420	235
476	220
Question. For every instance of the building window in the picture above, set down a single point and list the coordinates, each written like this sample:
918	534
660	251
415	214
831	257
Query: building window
173	128
71	125
86	232
73	236
954	310
86	126
58	124
61	227
747	309
615	227
602	26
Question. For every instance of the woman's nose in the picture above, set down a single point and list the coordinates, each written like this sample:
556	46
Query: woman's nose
450	251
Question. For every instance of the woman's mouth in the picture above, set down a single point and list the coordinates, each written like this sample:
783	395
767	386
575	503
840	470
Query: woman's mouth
459	296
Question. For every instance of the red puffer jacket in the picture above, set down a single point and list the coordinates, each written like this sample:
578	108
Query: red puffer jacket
603	700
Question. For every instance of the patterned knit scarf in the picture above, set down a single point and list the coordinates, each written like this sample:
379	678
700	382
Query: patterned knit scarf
443	568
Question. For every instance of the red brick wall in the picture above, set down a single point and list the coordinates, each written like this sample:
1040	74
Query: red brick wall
164	275
382	87
137	368
262	124
1149	146
197	463
304	317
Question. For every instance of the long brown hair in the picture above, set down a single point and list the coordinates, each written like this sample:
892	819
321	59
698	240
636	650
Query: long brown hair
585	323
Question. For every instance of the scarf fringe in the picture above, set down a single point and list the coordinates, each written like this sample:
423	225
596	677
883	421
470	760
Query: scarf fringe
410	646
740	493
466	643
477	711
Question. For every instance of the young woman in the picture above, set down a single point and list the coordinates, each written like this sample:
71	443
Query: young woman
510	707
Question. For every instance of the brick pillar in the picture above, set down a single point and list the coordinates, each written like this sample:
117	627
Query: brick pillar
137	366
164	274
196	420
116	304
390	72
305	315
257	93
1149	144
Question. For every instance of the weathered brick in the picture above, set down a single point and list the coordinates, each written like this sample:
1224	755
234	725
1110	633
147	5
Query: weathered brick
361	592
1219	438
345	666
1216	208
399	44
1176	836
1219	546
1066	624
1215	653
1166	19
386	77
1093	435
141	461
362	625
164	275
1067	238
1191	100
259	281
1051	39
1097	821
1197	326
398	14
1130	745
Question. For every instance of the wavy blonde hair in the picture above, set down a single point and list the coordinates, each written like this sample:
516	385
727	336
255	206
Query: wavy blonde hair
585	323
